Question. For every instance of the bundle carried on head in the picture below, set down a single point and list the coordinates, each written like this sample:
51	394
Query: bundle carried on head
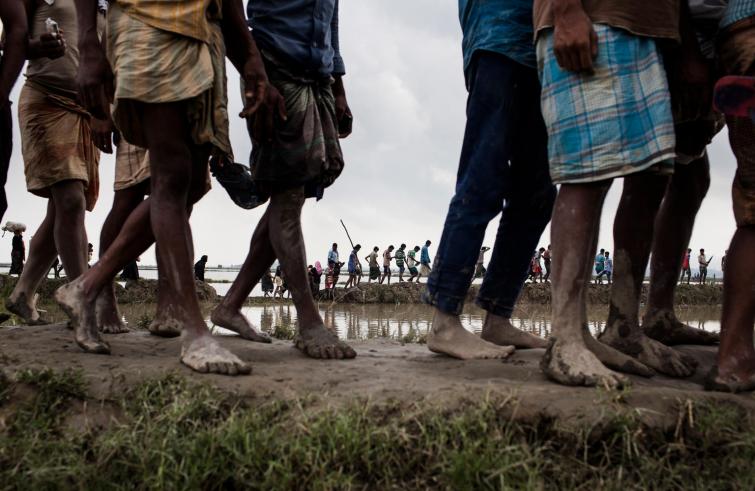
14	227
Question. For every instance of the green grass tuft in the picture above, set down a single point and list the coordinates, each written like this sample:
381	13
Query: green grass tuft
172	434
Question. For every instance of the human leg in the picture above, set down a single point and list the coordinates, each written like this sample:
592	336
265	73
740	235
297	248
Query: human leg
257	263
633	236
671	234
42	254
124	202
484	180
573	356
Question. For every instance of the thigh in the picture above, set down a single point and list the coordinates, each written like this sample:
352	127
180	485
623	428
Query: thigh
168	139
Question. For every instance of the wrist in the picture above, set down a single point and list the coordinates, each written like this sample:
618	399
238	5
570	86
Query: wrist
563	8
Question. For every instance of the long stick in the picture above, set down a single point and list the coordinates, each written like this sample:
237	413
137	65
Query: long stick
347	234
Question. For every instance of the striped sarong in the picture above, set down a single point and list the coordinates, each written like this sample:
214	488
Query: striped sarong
612	123
157	66
56	143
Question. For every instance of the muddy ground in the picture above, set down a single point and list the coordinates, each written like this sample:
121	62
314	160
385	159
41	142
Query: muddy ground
384	371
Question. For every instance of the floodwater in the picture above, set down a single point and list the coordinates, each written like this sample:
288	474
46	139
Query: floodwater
406	322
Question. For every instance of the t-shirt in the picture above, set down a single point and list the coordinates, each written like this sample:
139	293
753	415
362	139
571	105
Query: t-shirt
424	257
547	256
386	258
399	257
411	259
701	260
685	261
353	261
608	265
651	18
373	258
501	26
332	256
600	259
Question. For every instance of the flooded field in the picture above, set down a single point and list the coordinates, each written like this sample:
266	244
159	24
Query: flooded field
401	322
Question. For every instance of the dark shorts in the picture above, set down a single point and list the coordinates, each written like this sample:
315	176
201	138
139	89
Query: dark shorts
374	273
386	270
401	268
413	271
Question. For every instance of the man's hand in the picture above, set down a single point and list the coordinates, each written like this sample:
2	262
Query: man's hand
95	79
342	108
255	84
575	42
263	127
103	134
47	46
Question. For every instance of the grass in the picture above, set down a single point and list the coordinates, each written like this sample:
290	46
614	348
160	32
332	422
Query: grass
170	434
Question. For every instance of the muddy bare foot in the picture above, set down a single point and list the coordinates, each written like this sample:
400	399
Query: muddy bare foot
734	381
574	364
164	326
25	309
238	323
108	317
448	337
321	343
205	355
83	316
663	326
633	342
614	359
498	330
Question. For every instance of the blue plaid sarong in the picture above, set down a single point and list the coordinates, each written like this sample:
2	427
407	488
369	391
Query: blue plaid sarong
612	123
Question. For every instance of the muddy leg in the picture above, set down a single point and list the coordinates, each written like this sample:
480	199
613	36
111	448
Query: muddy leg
257	263
42	254
673	229
124	202
314	339
633	235
574	231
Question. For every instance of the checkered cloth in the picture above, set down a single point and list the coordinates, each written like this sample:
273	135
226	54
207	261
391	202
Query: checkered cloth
615	122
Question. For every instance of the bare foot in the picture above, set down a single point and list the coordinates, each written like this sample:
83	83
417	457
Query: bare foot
204	354
447	336
321	343
572	363
735	379
164	326
72	300
238	323
631	341
25	309
614	359
663	326
498	330
108	317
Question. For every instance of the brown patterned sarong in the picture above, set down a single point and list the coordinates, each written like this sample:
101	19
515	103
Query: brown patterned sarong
305	150
56	142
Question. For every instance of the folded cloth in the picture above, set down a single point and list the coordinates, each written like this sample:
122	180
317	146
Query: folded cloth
612	123
157	66
131	165
305	150
56	143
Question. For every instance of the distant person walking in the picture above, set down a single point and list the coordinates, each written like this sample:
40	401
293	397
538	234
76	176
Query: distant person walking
387	258
372	260
199	268
547	263
607	268
600	260
703	264
333	256
131	271
424	260
400	258
536	271
411	263
18	253
686	270
267	284
355	268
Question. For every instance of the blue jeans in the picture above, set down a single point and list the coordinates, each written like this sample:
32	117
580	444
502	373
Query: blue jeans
503	169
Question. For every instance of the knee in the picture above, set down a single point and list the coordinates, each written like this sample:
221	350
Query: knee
691	182
69	201
174	184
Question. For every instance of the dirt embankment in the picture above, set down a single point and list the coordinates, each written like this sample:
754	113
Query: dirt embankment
532	294
145	291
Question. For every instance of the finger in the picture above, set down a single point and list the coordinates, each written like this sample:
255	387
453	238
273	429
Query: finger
560	58
585	58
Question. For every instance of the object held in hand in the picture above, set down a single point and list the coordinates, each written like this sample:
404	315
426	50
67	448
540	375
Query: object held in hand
237	180
52	27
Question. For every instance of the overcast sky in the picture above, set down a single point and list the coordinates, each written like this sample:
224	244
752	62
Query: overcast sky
406	89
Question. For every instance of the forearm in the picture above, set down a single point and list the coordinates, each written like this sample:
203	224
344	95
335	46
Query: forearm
338	88
86	18
239	43
14	54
